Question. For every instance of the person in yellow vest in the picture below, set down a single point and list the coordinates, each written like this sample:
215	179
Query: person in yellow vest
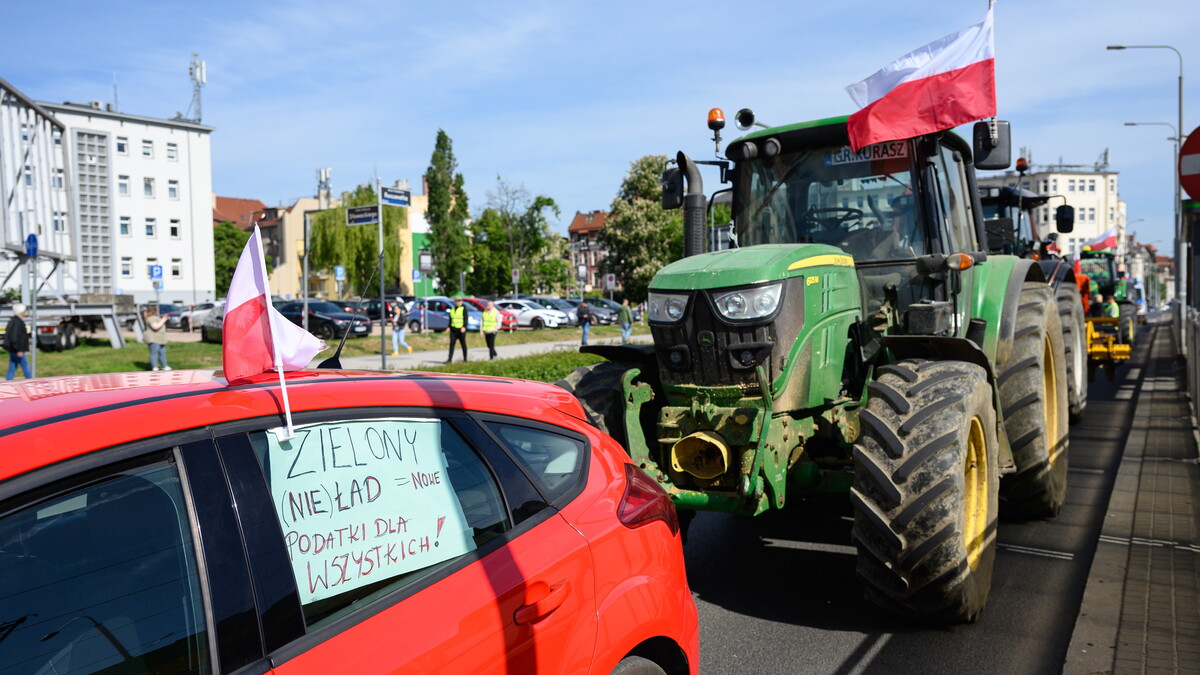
458	328
490	326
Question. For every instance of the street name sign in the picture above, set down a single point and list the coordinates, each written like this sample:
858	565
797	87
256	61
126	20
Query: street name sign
395	196
362	215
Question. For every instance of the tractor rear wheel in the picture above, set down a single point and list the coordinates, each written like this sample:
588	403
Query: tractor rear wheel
1033	396
925	490
1070	316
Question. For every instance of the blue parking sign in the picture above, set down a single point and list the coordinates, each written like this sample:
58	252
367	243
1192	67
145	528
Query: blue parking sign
416	275
156	271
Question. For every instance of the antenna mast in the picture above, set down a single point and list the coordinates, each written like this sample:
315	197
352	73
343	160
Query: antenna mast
196	71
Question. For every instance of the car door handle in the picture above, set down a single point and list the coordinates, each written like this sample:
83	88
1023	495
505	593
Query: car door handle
534	612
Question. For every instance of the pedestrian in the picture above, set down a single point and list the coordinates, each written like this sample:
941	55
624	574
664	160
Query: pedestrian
584	315
16	342
156	339
625	318
399	326
458	328
490	325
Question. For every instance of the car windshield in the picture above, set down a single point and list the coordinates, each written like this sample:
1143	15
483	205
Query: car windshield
861	202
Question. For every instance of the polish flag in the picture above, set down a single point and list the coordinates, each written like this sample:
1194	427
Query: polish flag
256	337
946	83
1106	240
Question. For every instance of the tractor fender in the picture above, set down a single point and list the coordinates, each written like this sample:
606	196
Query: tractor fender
1057	272
997	300
940	348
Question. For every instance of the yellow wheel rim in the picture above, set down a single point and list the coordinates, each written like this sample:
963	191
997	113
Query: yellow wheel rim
1050	402
975	493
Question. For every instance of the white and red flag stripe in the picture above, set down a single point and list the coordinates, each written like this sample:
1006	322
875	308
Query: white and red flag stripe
1106	239
946	83
255	336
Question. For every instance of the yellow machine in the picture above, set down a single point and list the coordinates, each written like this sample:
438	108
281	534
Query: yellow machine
1105	348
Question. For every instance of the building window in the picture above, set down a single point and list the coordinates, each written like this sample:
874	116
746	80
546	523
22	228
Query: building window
176	268
125	225
28	176
148	187
1091	215
1071	185
148	149
172	152
126	266
122	145
1045	185
25	133
58	178
1054	185
173	189
151	227
57	136
1112	184
60	221
174	228
1091	185
123	186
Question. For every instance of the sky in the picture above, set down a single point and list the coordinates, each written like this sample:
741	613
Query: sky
560	97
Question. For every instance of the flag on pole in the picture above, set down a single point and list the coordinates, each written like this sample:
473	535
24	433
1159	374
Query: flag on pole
256	337
1108	239
946	83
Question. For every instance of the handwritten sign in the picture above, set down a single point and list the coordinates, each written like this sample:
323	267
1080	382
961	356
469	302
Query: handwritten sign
364	500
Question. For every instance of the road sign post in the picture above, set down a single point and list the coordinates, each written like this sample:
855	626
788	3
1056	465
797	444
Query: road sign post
31	250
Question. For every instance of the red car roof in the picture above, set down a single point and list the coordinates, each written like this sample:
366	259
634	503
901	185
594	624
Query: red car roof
46	420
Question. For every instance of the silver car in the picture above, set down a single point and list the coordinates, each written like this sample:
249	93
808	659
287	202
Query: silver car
532	315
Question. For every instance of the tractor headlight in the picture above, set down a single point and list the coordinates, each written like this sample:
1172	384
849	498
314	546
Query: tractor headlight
667	307
748	303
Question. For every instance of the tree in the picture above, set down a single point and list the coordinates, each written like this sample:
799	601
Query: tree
447	215
638	235
228	242
526	230
331	242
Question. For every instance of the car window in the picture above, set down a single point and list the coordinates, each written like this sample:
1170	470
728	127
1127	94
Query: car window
102	575
370	506
554	460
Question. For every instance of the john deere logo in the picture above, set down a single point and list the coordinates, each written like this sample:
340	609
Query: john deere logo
705	338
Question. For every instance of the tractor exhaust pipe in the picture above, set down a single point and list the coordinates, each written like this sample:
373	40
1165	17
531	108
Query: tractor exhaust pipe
704	454
695	208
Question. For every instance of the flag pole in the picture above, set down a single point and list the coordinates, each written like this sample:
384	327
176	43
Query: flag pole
262	268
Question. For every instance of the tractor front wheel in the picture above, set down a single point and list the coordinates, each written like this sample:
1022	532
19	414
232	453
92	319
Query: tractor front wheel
598	388
925	490
1033	396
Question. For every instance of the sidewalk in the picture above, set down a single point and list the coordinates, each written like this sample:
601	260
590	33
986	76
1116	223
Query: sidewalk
1141	607
476	351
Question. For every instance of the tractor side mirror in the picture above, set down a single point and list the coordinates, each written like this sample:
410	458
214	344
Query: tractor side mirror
672	188
1064	218
992	145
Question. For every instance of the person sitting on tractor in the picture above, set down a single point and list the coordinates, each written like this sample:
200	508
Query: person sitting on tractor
1111	308
1097	308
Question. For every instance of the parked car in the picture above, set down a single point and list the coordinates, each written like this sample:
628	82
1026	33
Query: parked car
213	328
368	308
164	522
532	315
508	320
325	319
191	317
635	311
433	314
558	305
601	316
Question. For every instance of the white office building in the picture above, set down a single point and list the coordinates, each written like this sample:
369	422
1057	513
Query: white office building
1094	194
142	199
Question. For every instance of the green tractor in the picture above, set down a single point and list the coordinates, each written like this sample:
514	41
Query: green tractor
855	337
1101	268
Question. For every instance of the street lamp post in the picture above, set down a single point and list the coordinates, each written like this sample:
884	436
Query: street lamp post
1180	259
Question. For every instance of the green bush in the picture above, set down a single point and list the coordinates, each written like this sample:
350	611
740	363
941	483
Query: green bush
549	367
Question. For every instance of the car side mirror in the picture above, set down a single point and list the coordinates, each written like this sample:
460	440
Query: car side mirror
1064	218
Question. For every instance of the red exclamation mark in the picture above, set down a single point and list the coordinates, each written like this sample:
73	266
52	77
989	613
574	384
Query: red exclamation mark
441	521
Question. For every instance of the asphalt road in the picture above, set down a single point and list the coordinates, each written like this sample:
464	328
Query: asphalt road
778	594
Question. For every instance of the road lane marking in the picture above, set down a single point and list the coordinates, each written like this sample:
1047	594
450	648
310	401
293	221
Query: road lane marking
1155	543
812	546
1045	553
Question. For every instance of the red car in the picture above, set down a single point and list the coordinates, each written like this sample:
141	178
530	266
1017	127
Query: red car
508	320
169	522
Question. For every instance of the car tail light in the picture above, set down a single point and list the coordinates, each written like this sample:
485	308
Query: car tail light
645	501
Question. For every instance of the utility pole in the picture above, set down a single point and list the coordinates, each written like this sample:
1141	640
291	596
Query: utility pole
382	299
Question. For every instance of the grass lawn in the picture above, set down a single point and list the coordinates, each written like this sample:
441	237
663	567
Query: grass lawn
95	355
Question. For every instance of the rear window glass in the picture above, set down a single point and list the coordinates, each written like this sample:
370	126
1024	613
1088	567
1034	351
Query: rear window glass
554	460
369	506
102	578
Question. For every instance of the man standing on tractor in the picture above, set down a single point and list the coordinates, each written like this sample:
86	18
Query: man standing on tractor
458	328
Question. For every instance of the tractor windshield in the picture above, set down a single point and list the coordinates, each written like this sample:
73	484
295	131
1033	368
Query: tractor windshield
1097	269
861	202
